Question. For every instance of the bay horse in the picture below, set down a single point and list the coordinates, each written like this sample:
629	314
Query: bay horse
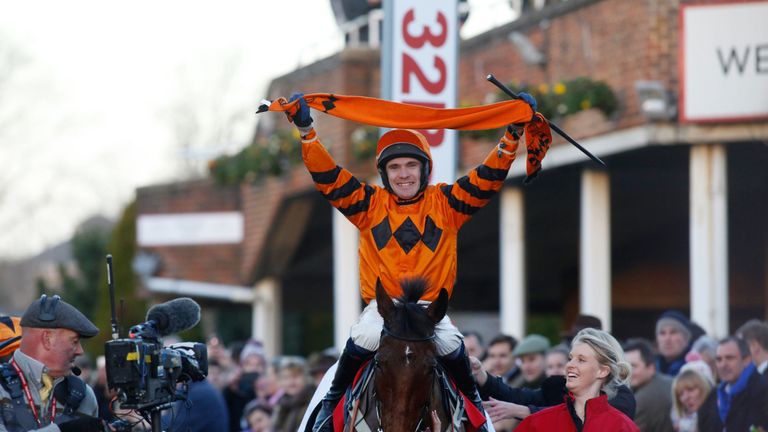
406	361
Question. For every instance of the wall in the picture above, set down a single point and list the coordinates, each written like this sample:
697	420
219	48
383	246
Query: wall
207	263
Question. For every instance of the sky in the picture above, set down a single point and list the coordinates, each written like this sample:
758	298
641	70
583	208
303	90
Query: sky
100	97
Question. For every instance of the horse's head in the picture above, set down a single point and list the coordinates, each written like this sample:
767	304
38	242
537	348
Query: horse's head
407	356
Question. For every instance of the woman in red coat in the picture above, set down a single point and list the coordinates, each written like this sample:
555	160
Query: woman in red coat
596	367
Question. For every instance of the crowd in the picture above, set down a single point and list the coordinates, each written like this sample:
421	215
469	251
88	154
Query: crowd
682	381
265	394
245	391
48	383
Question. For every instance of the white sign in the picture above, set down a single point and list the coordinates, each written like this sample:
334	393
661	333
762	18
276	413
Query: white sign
182	229
420	67
724	50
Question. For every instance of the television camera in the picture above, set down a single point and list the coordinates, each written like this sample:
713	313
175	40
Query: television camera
143	372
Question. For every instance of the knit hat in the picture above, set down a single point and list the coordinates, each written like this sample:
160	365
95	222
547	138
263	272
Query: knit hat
701	367
253	347
532	344
677	320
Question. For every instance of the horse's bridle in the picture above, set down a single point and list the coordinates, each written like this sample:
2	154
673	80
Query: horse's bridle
406	338
425	409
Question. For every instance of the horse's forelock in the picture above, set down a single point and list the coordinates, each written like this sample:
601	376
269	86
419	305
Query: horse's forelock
413	289
410	318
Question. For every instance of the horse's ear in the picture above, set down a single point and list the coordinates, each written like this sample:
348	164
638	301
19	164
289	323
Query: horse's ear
437	309
383	302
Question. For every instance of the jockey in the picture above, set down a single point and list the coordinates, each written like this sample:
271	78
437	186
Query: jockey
407	229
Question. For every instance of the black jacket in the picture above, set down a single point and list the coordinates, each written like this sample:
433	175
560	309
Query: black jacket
748	408
551	393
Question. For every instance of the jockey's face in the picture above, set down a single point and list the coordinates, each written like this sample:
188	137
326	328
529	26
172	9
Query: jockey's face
404	174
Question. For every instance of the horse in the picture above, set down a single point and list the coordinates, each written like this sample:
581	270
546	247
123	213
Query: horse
404	382
406	361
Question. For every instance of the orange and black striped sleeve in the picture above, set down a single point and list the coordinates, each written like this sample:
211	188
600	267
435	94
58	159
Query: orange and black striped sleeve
474	191
342	189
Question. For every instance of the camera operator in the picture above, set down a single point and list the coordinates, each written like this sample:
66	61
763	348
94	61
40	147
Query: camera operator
202	410
39	392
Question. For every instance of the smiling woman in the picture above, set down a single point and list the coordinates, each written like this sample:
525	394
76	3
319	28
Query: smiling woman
595	370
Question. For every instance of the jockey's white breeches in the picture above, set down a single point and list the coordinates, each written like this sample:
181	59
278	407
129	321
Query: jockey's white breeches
366	332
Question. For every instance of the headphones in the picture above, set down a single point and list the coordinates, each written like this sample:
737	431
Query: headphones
48	308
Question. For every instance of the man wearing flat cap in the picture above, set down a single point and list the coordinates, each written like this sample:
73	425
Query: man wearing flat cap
531	354
38	391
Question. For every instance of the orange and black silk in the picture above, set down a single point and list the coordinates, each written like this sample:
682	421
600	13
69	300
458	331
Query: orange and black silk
383	113
406	239
10	335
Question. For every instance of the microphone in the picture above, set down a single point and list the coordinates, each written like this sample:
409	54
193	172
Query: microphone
76	371
174	316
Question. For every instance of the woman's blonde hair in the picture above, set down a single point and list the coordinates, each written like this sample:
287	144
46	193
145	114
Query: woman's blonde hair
688	378
610	354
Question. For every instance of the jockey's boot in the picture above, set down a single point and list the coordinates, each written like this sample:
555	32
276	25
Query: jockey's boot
457	363
350	362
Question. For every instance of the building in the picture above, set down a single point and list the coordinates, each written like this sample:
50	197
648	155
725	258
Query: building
676	220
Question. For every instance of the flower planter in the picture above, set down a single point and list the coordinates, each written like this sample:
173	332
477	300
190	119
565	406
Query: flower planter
583	124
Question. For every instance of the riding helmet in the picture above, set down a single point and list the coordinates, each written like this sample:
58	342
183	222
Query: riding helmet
403	143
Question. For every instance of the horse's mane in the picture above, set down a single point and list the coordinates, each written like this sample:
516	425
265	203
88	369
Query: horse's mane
411	318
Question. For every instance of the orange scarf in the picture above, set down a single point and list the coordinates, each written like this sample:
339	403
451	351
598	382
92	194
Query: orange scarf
383	113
